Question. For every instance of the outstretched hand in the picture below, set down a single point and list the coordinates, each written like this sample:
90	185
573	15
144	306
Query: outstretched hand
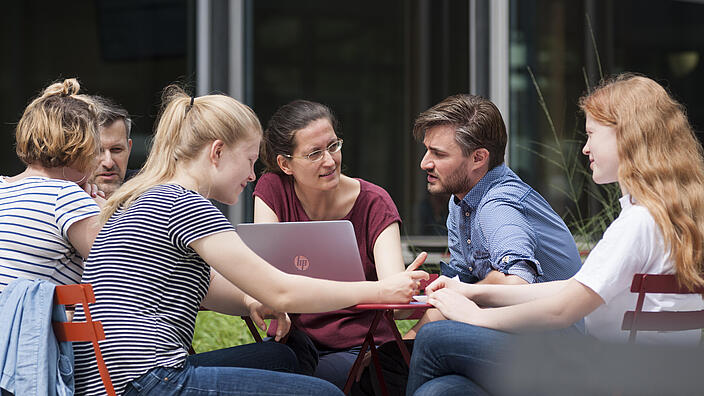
401	287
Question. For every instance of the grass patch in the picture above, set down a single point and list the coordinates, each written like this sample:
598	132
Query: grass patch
218	331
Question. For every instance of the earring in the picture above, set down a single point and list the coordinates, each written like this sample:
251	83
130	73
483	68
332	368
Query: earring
79	182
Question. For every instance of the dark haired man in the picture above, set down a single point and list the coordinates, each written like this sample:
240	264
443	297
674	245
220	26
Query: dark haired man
115	145
500	230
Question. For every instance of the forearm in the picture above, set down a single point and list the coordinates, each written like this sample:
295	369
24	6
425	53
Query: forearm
285	296
224	297
294	294
488	295
499	278
553	311
541	314
388	258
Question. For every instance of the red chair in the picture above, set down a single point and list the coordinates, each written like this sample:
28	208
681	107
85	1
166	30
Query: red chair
82	331
639	320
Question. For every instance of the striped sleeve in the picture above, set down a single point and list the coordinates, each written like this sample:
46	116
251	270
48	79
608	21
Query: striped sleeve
72	205
194	217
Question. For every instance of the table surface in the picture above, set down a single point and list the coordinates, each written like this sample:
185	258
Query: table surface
411	305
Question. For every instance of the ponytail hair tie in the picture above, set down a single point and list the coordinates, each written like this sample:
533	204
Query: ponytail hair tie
190	105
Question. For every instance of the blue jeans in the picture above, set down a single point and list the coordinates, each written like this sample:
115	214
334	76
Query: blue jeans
454	358
240	370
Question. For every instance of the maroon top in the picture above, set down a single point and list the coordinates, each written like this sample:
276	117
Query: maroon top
373	211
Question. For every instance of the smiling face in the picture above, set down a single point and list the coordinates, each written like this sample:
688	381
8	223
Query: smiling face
448	170
114	154
235	168
602	149
323	174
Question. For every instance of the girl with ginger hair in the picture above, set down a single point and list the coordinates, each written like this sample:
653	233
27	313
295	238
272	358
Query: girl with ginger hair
638	136
47	221
165	250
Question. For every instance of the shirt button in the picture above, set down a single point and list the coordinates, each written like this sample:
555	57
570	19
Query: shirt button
466	214
470	269
469	241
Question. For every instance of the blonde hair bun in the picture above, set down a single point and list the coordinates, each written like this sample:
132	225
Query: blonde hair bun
68	87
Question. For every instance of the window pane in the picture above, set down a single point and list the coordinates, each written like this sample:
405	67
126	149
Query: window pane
377	64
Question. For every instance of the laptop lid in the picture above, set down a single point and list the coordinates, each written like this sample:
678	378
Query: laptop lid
318	249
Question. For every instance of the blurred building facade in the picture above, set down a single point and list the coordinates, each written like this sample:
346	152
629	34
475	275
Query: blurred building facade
377	64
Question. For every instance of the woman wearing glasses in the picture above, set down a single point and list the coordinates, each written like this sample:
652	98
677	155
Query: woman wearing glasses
302	155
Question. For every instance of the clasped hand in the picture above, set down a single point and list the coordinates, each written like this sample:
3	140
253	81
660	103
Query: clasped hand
258	312
446	295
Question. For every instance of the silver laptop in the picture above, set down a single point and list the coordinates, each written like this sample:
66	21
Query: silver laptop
318	249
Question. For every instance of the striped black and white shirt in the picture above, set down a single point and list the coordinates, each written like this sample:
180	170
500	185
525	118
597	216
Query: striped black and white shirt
35	215
148	285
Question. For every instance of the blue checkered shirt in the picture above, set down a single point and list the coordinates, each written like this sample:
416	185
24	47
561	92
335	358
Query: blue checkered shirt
503	224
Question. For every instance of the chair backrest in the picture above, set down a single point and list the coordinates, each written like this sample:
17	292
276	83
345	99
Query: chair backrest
661	320
82	331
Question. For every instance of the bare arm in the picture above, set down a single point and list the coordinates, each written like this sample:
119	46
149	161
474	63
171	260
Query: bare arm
495	277
82	233
488	295
229	256
571	303
225	297
387	252
263	213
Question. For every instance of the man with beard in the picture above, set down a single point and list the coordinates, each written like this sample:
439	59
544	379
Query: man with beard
115	145
499	229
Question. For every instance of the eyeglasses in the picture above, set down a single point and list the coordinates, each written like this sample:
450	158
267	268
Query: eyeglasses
317	155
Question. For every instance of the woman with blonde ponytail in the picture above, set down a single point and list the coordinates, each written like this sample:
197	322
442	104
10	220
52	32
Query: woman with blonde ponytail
165	250
638	136
47	221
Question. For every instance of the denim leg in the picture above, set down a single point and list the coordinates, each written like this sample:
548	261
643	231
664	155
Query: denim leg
263	355
304	350
208	380
447	347
449	385
335	366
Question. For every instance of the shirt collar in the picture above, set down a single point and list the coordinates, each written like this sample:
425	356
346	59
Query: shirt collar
626	201
477	192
